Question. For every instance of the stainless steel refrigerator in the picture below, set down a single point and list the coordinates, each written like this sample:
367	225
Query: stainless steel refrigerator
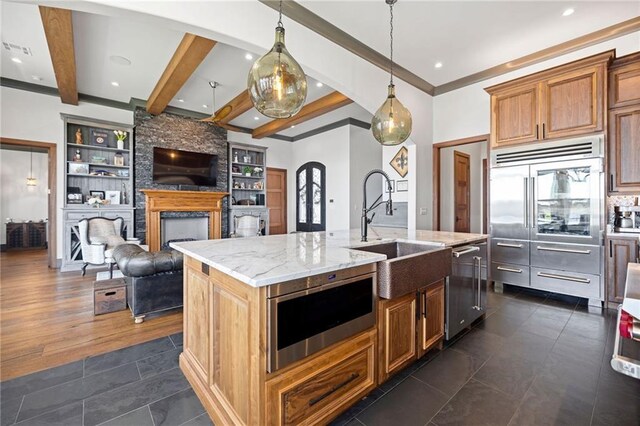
547	217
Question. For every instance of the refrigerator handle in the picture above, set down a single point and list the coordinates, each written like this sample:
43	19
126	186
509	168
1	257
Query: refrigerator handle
526	202
533	202
478	280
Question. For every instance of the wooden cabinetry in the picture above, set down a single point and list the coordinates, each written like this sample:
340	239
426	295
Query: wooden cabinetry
26	235
431	317
561	102
396	334
408	327
621	252
624	125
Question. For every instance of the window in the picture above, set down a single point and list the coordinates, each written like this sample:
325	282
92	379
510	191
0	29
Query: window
310	207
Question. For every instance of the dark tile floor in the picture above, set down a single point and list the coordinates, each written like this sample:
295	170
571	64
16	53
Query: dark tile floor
536	359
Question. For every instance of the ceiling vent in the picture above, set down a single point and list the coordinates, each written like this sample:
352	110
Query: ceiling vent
15	48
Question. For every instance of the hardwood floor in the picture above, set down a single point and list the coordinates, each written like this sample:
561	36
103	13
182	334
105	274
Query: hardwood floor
47	317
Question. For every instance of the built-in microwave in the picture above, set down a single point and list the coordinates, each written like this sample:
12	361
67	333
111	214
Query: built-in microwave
308	315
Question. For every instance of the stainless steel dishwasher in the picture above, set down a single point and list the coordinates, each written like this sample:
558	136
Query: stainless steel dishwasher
466	288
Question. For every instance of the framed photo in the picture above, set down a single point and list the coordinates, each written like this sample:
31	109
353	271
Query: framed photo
99	137
97	194
74	198
402	186
79	168
113	197
393	186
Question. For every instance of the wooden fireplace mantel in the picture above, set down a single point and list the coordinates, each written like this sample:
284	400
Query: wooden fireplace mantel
158	201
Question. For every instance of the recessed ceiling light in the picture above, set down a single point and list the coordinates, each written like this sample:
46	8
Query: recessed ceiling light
438	65
17	60
180	100
568	12
115	84
119	60
293	126
205	106
256	118
319	84
36	78
248	56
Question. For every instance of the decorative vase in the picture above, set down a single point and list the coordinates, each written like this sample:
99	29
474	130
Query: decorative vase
120	144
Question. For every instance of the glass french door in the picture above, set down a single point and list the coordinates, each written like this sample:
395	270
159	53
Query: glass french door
566	204
310	190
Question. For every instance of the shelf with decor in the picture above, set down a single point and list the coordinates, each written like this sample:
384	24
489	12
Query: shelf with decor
98	165
247	183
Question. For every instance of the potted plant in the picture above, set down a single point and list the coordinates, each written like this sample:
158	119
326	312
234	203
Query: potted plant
121	135
257	171
247	170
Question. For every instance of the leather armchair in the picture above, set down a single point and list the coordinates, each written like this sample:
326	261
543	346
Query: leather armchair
154	280
98	237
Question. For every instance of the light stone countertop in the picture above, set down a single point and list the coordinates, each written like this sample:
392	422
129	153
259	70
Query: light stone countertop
262	261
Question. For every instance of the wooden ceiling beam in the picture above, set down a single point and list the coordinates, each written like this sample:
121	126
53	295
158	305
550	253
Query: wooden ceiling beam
313	109
234	108
58	29
189	54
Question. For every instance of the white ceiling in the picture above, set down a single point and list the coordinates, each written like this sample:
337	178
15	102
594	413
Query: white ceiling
467	37
470	36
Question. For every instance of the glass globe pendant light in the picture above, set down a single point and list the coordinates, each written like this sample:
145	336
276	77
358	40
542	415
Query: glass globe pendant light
31	181
277	84
391	124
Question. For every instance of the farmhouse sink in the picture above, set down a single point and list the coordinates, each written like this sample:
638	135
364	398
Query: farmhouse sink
409	266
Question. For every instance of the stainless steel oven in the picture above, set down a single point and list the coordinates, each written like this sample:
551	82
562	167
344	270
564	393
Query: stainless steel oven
308	315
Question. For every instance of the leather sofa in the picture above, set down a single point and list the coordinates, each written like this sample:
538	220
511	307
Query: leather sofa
154	280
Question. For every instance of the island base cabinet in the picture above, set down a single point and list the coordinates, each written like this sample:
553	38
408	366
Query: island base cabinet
396	334
318	390
431	317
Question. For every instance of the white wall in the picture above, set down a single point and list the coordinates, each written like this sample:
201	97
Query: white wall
465	112
365	154
477	152
17	200
36	117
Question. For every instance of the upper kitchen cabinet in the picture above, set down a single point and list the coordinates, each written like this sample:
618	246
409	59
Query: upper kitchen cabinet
624	125
624	81
564	101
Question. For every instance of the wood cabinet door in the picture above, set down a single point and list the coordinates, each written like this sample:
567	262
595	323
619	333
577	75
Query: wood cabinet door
196	314
431	321
621	252
624	149
573	103
515	115
624	82
396	334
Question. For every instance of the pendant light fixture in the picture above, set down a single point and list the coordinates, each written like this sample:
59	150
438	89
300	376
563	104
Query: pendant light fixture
391	124
277	84
31	181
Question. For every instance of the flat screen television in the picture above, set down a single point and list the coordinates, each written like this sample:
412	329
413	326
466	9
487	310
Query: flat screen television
177	167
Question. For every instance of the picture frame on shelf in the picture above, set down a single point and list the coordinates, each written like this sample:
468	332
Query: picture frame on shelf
113	197
99	137
78	168
402	186
123	172
97	194
74	198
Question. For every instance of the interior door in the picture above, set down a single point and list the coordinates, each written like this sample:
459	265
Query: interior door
277	200
462	191
311	195
509	202
566	199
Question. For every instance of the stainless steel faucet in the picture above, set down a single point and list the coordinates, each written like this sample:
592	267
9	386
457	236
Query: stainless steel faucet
364	220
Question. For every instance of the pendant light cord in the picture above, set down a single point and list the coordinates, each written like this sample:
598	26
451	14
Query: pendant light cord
31	165
391	39
280	14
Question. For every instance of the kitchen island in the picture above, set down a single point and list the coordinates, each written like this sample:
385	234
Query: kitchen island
235	289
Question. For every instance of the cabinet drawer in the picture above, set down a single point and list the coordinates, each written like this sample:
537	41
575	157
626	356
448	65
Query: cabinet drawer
317	390
510	251
79	215
566	257
510	273
571	283
112	215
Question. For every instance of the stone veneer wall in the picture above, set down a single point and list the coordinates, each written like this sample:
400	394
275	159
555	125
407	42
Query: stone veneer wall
175	132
